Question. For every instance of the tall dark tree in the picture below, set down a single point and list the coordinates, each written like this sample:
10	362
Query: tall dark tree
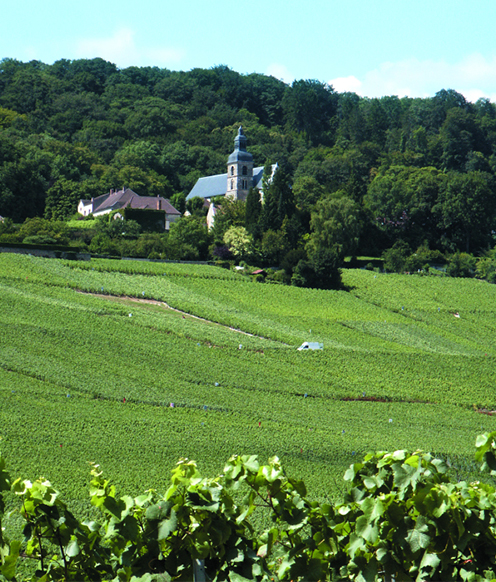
283	192
270	211
253	211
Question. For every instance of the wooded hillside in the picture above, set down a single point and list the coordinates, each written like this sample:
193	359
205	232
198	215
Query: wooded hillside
420	170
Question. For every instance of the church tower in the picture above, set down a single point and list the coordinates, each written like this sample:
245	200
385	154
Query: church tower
239	169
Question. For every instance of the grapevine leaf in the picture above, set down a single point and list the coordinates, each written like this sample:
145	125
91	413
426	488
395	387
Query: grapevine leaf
431	561
251	463
9	561
72	549
167	526
367	530
372	508
154	512
418	538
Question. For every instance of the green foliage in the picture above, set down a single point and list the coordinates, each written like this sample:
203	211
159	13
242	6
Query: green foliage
336	224
393	349
461	265
402	517
253	210
274	246
320	271
239	241
55	230
148	220
195	206
423	256
395	258
486	268
230	213
467	207
417	169
189	239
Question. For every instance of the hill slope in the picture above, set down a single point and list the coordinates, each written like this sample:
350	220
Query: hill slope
94	366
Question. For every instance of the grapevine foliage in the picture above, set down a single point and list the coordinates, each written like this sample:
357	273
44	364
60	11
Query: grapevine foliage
403	518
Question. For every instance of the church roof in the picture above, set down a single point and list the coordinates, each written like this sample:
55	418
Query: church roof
211	186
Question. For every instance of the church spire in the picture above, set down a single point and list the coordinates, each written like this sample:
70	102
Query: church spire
239	169
240	140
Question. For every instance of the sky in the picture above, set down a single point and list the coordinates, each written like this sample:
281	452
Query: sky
409	48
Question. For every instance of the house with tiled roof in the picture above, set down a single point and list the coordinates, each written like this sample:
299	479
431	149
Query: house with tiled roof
236	182
127	198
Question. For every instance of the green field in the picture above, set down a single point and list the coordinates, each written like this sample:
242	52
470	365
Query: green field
95	366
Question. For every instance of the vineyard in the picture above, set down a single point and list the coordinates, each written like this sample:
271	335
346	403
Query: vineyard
133	365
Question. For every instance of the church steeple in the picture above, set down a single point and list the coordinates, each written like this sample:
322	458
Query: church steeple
239	169
240	140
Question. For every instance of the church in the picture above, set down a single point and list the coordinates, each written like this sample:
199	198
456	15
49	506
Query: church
235	184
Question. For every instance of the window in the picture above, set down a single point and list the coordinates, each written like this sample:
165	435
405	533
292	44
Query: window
232	170
245	171
232	184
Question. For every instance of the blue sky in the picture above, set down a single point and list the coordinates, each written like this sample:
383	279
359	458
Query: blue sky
375	48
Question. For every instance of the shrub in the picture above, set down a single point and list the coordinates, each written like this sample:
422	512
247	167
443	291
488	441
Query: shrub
461	265
486	269
395	258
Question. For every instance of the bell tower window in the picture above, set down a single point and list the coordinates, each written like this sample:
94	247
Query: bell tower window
232	170
245	171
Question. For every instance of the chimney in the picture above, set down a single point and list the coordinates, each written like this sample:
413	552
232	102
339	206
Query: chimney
159	204
111	191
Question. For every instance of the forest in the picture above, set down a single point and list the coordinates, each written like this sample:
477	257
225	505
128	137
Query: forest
408	178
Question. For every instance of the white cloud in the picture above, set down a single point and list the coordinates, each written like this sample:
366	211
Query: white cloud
122	50
345	84
474	77
280	72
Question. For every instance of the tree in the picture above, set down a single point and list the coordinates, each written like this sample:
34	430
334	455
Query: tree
189	239
461	265
283	193
140	154
239	241
309	106
178	200
459	136
336	224
467	210
307	191
230	213
396	257
320	271
23	188
62	199
401	200
253	211
274	246
195	206
270	208
36	226
153	117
